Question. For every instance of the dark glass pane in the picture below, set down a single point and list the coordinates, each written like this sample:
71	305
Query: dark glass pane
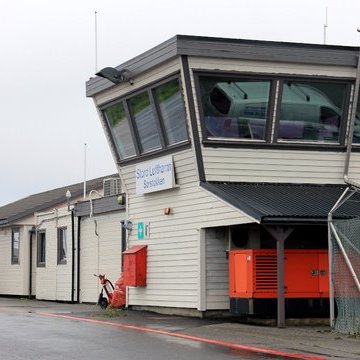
356	137
311	111
145	122
15	247
171	105
120	130
235	108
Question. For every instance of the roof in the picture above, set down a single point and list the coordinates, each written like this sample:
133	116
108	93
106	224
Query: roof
285	203
99	206
38	202
226	48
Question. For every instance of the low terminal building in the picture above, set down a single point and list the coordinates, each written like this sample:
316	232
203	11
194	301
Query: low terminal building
232	151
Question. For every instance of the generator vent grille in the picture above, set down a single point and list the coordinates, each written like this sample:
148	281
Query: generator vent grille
266	272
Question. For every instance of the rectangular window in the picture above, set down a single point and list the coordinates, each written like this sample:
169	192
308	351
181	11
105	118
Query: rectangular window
150	120
311	111
15	246
356	136
62	246
119	126
235	108
41	249
145	121
172	112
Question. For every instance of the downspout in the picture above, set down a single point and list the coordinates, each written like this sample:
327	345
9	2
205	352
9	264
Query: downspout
72	256
31	233
78	259
352	123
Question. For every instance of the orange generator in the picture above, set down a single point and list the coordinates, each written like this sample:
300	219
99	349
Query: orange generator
253	282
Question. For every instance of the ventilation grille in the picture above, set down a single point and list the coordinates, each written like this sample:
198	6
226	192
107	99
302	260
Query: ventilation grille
266	272
112	186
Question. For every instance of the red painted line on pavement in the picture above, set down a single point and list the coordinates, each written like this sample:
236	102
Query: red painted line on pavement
189	337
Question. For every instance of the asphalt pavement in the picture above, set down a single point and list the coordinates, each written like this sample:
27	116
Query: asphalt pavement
294	341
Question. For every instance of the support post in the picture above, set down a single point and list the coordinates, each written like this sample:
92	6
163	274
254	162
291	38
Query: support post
280	283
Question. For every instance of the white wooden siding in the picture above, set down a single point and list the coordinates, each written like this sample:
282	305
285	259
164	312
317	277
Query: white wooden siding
260	165
99	254
14	278
173	246
53	282
217	273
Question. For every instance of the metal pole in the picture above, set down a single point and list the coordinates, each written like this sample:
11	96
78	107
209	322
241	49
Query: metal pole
96	44
280	283
85	171
353	115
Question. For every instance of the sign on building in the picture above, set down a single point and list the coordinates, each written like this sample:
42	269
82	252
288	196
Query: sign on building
155	175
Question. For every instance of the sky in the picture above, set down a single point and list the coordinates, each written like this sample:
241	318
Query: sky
48	53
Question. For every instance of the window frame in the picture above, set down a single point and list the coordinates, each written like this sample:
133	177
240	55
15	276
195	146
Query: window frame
274	108
39	262
60	259
165	147
15	261
270	108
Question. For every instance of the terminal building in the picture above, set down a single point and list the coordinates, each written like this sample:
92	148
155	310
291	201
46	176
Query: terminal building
231	154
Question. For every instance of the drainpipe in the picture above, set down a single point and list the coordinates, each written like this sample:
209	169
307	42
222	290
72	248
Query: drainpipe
31	233
78	259
72	256
352	123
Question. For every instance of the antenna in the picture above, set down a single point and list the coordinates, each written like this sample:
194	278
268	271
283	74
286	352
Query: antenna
96	50
85	170
326	24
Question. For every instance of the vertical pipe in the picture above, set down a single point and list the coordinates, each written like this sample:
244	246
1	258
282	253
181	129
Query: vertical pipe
78	258
31	233
280	283
85	171
72	256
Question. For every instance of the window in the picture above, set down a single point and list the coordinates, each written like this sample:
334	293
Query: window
119	126
41	249
62	246
145	121
235	108
148	121
311	111
172	111
356	136
274	110
15	246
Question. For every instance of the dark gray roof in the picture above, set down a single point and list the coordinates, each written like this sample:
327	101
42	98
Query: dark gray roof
284	203
225	48
100	206
19	209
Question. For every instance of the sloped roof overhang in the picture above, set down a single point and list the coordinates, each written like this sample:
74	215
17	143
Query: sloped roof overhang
279	203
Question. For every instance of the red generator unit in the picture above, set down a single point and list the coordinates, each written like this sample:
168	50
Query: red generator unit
253	282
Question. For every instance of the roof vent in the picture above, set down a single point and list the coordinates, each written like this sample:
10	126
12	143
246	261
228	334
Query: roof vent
112	186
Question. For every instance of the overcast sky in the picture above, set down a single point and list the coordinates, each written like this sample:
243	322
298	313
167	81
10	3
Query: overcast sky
48	53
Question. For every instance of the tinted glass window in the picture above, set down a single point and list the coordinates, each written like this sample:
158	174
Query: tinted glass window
15	246
171	105
120	130
311	111
356	137
235	108
145	122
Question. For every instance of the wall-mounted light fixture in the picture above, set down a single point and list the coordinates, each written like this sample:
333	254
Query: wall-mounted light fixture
114	75
68	197
167	211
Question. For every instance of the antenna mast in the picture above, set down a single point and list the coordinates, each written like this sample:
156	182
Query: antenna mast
326	24
96	50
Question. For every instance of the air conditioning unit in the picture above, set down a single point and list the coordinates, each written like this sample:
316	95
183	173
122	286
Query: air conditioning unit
112	186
